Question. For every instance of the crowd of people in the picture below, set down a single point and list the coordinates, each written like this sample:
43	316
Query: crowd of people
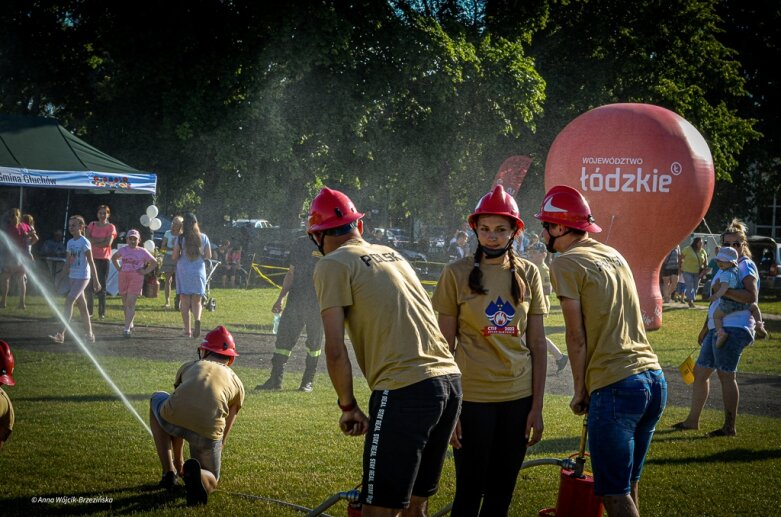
79	268
470	361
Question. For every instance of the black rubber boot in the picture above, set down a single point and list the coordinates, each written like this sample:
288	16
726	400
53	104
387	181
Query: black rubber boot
307	381
274	382
193	483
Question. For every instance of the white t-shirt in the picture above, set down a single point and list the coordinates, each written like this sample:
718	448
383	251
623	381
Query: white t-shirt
77	258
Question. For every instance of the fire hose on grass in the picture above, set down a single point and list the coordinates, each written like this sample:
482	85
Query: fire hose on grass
575	498
351	496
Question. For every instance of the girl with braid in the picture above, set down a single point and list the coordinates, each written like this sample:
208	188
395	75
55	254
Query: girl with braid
486	303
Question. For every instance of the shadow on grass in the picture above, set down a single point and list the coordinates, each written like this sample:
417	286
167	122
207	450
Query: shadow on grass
130	499
556	448
773	326
725	456
764	380
84	398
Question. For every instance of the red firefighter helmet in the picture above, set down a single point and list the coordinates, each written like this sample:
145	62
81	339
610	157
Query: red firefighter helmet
496	202
220	342
6	364
331	209
566	206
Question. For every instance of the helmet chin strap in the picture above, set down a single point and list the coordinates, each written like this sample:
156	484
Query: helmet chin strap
490	253
318	244
552	239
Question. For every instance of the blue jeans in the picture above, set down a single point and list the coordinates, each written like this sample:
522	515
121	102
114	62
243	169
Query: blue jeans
622	419
727	357
692	282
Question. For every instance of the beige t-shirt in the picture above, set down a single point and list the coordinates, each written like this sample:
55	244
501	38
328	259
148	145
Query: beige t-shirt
6	412
495	364
388	314
204	392
600	278
545	276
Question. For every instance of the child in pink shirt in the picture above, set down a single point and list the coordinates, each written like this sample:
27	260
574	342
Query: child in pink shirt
136	262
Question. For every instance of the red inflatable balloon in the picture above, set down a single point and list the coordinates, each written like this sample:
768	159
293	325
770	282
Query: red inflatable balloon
648	176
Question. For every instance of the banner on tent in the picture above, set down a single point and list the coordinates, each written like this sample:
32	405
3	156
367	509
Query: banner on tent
135	183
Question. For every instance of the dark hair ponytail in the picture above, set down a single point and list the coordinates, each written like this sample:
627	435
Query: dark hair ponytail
518	287
476	276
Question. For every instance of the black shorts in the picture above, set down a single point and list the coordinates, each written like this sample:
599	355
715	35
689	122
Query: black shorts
409	432
670	272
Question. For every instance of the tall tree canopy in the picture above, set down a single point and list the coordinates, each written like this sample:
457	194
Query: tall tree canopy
245	109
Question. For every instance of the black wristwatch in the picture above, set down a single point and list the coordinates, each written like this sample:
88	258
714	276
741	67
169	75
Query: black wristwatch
349	407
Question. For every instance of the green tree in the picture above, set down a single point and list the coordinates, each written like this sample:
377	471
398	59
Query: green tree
410	105
753	30
593	53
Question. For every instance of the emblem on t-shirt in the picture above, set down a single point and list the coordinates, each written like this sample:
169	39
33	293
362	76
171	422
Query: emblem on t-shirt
500	313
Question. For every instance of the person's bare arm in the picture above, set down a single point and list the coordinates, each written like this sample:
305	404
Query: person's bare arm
353	422
535	341
233	412
109	240
93	271
149	266
746	295
720	289
32	235
576	349
448	325
287	283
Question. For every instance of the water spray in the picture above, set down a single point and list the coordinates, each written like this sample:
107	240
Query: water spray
12	248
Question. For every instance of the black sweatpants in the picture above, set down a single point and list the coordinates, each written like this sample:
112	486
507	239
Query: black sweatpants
491	454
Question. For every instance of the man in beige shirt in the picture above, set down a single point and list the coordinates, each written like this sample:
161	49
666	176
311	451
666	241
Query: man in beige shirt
372	292
206	400
617	377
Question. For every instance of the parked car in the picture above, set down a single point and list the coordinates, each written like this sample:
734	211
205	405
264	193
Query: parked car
417	260
251	223
766	254
276	248
398	237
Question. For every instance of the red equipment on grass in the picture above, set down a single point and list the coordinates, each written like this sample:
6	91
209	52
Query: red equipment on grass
576	488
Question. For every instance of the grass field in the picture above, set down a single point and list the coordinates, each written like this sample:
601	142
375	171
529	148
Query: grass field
73	438
249	310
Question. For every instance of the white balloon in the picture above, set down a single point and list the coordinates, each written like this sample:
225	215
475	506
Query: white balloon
151	211
155	224
149	245
145	220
